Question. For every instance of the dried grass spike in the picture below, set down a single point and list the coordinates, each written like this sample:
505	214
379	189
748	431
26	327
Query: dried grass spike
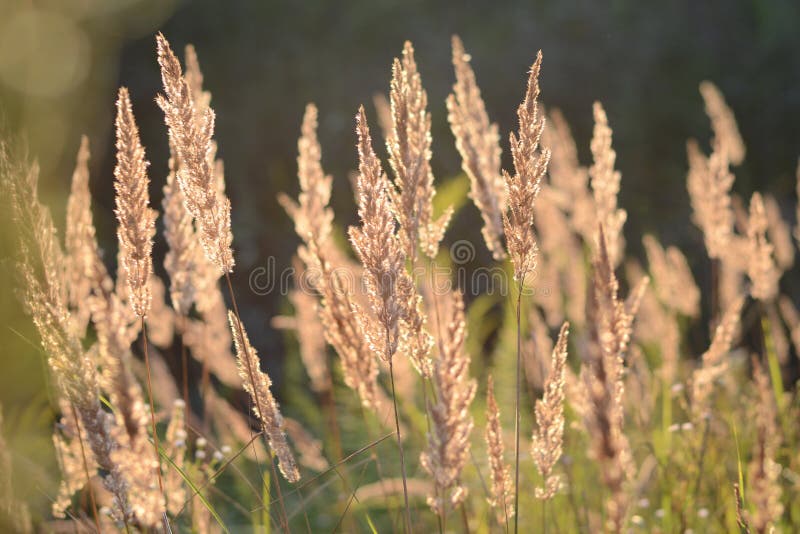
726	133
522	188
377	247
191	134
548	438
409	146
605	182
761	268
183	256
502	496
764	472
85	269
478	142
451	423
709	182
136	220
258	384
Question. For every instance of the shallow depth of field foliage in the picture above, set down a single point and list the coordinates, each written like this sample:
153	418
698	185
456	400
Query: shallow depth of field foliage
390	287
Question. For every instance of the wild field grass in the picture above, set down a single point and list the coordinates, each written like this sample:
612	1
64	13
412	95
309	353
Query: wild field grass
554	391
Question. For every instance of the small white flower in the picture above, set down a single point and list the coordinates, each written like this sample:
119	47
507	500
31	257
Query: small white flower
201	443
702	513
687	427
200	455
660	513
644	503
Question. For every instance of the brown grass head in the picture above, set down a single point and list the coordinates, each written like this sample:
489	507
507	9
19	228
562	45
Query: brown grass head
522	188
192	138
610	321
451	422
84	265
761	268
502	488
548	438
723	122
257	383
136	220
311	215
183	255
409	147
377	246
764	472
605	182
478	142
709	182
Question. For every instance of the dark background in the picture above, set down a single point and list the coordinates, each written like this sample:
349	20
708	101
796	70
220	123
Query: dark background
61	63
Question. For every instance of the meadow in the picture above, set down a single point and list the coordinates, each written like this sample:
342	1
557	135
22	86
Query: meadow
556	390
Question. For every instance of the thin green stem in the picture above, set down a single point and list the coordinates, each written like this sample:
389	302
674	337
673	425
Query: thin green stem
399	444
544	516
152	406
516	408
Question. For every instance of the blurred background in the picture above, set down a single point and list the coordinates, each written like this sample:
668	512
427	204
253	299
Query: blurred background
61	62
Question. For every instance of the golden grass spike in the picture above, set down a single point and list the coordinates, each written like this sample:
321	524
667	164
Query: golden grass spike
409	147
502	490
764	473
726	132
709	182
85	269
478	142
605	182
378	248
192	137
136	220
451	423
548	438
610	321
761	268
522	188
257	383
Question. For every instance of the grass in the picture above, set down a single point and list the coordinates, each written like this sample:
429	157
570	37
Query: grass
642	448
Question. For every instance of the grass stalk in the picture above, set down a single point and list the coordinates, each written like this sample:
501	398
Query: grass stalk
284	520
425	381
544	516
400	446
89	487
153	414
184	366
516	407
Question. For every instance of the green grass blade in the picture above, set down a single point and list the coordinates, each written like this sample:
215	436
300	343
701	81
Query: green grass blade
196	491
371	524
